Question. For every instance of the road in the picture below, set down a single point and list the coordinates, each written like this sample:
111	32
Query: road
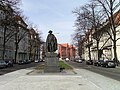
17	67
113	73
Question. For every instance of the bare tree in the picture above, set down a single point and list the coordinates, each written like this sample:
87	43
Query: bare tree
21	32
82	24
79	39
88	20
97	17
9	9
35	41
112	11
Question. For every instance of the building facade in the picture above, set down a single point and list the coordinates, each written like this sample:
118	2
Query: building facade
6	39
21	38
105	46
66	51
17	42
34	43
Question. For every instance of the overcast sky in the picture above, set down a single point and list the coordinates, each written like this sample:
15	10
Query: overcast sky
53	14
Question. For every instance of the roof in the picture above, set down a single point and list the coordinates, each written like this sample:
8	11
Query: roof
18	18
32	31
67	45
117	17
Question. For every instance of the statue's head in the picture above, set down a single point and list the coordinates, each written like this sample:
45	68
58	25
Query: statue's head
50	32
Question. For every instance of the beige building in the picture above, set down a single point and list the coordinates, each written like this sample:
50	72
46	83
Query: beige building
105	44
34	45
10	37
22	38
9	40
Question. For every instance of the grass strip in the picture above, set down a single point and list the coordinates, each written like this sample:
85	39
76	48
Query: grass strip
64	65
61	65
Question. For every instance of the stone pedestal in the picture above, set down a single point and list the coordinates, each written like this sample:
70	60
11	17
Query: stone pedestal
51	63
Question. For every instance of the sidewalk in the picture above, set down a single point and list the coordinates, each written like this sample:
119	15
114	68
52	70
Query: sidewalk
83	80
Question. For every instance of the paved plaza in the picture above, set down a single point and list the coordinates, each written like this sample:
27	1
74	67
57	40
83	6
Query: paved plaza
81	80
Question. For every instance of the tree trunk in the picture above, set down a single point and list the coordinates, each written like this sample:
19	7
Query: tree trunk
98	56
3	56
79	51
115	53
89	53
16	46
30	55
4	43
16	51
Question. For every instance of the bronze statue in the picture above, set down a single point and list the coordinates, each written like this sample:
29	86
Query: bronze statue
51	42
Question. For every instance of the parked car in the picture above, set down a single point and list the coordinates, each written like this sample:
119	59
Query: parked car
89	62
29	61
76	59
101	62
43	60
37	61
67	59
3	64
9	63
96	63
83	59
109	64
20	62
26	61
79	61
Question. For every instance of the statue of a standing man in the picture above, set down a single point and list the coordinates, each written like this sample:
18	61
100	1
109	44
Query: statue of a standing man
51	42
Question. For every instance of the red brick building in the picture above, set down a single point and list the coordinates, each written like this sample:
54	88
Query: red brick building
66	51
